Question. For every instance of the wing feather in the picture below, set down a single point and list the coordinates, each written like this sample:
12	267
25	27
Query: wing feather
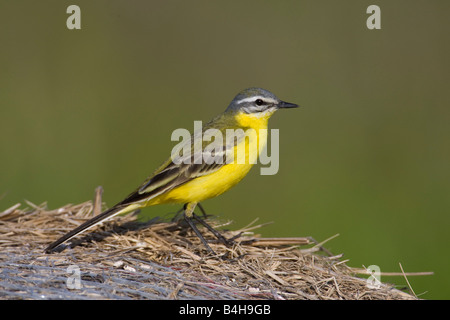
171	175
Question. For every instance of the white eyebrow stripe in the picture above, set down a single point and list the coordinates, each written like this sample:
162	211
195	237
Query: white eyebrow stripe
269	100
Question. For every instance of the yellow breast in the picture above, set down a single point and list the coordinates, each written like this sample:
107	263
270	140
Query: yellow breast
216	183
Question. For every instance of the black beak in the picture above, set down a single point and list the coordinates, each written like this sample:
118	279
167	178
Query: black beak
286	105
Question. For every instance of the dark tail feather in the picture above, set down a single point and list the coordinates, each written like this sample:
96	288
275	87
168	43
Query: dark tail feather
88	224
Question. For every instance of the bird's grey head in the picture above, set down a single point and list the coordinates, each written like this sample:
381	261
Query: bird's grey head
257	101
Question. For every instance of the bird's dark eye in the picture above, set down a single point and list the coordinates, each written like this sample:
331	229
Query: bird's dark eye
259	102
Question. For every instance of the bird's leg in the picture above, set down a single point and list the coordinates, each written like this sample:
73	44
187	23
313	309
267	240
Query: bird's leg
202	210
176	217
213	231
216	233
221	238
225	241
188	215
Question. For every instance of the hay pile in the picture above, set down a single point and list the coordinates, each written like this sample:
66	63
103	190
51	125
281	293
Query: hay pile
127	259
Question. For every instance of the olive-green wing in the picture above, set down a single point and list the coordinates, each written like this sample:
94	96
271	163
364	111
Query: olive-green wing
188	166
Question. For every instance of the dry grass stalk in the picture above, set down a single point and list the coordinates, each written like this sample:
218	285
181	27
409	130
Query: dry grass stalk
126	259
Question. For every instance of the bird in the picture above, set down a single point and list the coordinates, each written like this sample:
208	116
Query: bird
190	176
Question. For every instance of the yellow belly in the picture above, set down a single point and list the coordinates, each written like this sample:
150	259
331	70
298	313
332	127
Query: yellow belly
218	182
206	187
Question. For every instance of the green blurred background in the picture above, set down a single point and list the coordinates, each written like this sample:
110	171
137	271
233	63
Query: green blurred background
366	157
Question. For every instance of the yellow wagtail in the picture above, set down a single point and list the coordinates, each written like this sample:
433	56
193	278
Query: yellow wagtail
190	182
